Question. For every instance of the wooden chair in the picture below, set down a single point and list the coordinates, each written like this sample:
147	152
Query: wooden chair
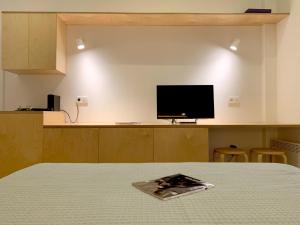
273	153
230	151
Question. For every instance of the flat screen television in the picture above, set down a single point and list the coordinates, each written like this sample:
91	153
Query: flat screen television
185	101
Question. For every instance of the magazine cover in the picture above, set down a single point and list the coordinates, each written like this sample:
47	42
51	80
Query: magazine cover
172	186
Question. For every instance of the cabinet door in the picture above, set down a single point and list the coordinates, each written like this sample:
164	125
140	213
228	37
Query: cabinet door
15	36
181	145
70	145
21	141
130	145
42	41
61	46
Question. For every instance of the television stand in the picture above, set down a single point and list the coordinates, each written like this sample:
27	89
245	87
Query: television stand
188	121
173	122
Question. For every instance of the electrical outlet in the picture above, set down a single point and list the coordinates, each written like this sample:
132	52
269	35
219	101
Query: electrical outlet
82	100
234	101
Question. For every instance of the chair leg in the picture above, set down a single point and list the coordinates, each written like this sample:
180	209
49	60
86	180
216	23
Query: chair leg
246	158
251	156
284	159
273	159
222	157
214	156
260	158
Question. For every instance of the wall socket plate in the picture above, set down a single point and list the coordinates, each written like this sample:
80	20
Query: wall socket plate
234	101
82	100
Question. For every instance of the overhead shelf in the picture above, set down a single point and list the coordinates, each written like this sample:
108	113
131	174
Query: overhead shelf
171	19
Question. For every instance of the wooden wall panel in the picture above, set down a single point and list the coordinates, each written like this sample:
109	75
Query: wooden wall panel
42	40
126	145
172	19
34	43
61	46
21	140
70	145
181	145
15	39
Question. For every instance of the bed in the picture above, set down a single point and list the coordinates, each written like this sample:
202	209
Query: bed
101	194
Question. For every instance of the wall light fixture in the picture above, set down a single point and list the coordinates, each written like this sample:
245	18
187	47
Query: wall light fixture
234	46
80	44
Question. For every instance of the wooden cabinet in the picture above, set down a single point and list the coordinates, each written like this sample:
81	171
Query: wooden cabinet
126	145
181	145
24	142
70	145
34	43
15	35
21	139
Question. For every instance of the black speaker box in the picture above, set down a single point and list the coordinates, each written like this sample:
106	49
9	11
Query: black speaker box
53	103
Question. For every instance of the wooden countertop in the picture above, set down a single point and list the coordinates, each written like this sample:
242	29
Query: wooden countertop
160	125
56	119
21	112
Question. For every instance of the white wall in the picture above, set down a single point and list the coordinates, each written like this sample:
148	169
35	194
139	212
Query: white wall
269	73
226	6
2	90
204	6
121	67
283	5
1	74
288	36
288	63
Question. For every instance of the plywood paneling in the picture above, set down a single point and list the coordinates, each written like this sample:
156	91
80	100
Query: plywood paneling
181	145
53	117
21	139
170	19
126	145
70	145
34	43
61	46
15	40
42	40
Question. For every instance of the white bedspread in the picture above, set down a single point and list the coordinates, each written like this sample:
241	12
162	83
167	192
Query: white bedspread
101	194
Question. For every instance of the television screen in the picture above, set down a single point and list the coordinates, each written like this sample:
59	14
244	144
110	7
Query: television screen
185	101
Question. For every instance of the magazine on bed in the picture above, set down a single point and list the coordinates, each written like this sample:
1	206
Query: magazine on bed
172	186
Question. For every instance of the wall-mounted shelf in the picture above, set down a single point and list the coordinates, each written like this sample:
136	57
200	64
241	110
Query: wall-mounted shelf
171	19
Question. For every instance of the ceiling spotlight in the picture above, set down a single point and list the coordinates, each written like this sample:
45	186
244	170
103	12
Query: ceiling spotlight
80	44
235	44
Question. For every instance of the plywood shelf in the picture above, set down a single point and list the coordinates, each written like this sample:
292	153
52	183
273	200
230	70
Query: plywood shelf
171	19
